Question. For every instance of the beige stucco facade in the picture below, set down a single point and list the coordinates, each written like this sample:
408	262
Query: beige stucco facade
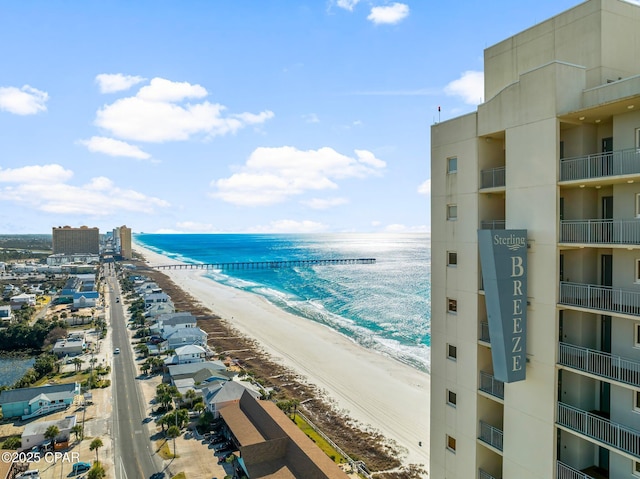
555	150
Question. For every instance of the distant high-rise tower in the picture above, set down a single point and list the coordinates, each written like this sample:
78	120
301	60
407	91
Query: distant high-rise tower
68	240
125	242
535	247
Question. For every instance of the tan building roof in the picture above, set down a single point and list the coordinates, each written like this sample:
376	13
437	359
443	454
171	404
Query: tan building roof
272	446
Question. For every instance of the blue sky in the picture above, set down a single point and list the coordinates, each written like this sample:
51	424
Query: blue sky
235	116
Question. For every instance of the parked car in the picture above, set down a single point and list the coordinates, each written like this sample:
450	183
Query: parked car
79	467
116	351
32	474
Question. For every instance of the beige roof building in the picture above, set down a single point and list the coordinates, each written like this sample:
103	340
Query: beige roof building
272	446
539	376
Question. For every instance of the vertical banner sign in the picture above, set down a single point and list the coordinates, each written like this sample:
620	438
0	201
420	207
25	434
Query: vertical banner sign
503	256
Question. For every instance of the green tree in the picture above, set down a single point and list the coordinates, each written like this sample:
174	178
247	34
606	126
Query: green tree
77	362
77	430
143	349
96	472
95	445
190	395
51	433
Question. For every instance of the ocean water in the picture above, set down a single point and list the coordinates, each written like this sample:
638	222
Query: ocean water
384	306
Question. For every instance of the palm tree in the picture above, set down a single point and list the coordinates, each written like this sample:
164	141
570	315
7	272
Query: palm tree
77	362
95	445
77	430
145	367
51	433
294	404
190	395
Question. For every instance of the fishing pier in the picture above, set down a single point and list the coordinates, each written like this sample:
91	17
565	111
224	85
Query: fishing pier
269	264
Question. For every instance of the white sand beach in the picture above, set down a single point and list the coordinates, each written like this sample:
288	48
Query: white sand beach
371	388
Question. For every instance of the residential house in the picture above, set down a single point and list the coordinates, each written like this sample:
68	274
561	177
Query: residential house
221	393
158	309
200	372
151	298
5	314
33	434
24	299
191	353
85	299
37	401
185	336
69	346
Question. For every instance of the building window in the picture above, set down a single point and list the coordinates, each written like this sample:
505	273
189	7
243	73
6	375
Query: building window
452	212
452	165
636	401
452	398
636	468
452	258
452	352
637	137
637	205
636	334
451	443
637	276
452	305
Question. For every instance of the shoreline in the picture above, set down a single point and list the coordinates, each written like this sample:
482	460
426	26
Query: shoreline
376	390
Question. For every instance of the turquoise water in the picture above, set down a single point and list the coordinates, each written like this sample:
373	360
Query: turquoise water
384	306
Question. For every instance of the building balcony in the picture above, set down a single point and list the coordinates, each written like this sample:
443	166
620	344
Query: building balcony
484	332
485	475
599	232
601	364
491	385
600	298
564	471
601	165
491	435
603	430
493	178
492	225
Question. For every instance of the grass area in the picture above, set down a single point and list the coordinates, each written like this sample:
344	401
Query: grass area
63	378
164	450
319	440
180	475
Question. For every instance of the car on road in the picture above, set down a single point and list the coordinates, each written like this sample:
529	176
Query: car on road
79	467
157	475
116	351
33	474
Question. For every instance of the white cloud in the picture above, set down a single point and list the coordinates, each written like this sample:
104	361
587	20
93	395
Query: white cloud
347	4
114	82
389	15
290	226
311	118
46	188
470	86
195	227
272	175
111	147
324	203
154	115
425	188
23	101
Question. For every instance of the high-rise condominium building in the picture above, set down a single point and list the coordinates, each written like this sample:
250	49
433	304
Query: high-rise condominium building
68	240
125	242
536	258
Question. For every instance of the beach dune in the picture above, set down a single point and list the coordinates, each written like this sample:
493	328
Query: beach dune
379	392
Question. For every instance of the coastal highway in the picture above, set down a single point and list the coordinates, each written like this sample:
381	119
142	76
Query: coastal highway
134	457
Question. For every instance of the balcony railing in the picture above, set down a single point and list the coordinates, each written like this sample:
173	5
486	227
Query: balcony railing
491	385
601	364
484	332
485	475
564	471
493	178
491	435
601	298
492	224
613	163
600	429
600	231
